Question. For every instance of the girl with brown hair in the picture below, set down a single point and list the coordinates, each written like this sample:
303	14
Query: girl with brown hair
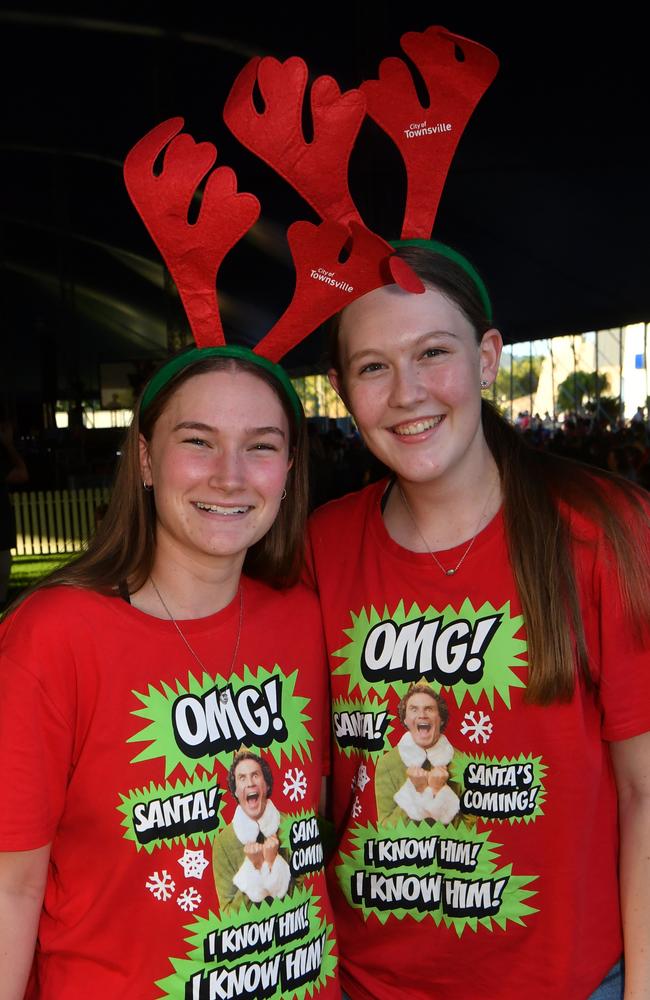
518	585
181	628
130	677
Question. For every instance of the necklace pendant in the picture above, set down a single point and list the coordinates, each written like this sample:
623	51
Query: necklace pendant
449	572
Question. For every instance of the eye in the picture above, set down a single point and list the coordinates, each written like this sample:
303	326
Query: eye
434	352
372	366
199	442
263	446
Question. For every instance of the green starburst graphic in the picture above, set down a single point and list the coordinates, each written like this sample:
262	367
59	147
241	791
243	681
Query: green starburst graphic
204	931
502	769
355	708
158	705
292	819
183	789
464	844
503	652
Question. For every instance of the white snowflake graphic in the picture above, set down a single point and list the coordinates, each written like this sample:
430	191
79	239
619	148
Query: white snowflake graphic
295	784
362	776
193	863
356	807
479	729
189	900
161	886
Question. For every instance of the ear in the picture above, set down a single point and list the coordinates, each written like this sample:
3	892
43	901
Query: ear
333	376
145	460
490	354
336	382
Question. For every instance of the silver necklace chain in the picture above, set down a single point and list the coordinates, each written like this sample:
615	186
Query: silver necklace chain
184	637
447	572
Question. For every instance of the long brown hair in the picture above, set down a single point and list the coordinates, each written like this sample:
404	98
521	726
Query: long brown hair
123	546
540	491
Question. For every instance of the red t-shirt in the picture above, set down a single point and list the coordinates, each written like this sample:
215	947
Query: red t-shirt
116	748
503	882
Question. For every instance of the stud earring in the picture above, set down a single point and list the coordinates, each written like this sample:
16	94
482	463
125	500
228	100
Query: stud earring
484	383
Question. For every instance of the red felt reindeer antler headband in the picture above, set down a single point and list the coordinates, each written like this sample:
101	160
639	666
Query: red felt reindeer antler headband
340	259
193	252
426	137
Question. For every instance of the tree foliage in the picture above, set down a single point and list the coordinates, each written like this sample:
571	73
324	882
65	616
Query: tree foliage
580	387
523	380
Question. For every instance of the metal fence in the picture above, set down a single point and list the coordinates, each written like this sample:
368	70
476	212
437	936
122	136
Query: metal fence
55	521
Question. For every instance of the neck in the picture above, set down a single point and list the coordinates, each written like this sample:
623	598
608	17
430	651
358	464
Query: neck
447	512
191	588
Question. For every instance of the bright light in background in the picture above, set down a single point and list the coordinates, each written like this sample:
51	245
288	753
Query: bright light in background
96	419
618	355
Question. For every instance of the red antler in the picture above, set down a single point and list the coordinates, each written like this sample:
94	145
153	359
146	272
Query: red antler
193	252
318	170
427	138
324	285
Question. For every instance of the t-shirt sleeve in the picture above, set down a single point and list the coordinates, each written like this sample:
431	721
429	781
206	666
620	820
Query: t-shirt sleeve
36	750
623	660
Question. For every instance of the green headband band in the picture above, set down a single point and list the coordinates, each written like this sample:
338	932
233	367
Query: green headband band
186	358
457	258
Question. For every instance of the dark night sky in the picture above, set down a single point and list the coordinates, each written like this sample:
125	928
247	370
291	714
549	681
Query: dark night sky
547	194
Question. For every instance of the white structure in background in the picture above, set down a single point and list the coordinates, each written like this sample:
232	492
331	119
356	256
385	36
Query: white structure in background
635	388
565	354
621	354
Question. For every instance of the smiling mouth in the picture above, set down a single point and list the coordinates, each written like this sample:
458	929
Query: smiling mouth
423	727
214	508
417	426
252	798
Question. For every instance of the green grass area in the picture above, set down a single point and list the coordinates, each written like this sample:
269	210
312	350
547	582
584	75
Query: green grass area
28	570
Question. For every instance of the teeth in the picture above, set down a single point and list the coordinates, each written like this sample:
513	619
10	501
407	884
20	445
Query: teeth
216	509
418	426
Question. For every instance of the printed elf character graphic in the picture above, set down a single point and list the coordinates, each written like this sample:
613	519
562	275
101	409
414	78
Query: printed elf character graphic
412	779
247	861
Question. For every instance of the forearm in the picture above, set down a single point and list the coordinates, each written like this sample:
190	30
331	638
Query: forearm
635	894
19	915
22	885
631	760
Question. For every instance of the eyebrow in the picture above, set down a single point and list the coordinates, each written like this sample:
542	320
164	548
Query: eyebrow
415	343
195	425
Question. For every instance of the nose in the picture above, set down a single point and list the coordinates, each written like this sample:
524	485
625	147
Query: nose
227	471
406	388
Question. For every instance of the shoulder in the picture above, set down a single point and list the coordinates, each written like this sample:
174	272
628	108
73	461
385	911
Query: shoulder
610	541
55	603
390	768
53	616
266	600
49	643
227	838
285	627
595	502
390	758
344	513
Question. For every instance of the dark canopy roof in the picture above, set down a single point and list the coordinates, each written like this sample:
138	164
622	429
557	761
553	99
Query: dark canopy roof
547	194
